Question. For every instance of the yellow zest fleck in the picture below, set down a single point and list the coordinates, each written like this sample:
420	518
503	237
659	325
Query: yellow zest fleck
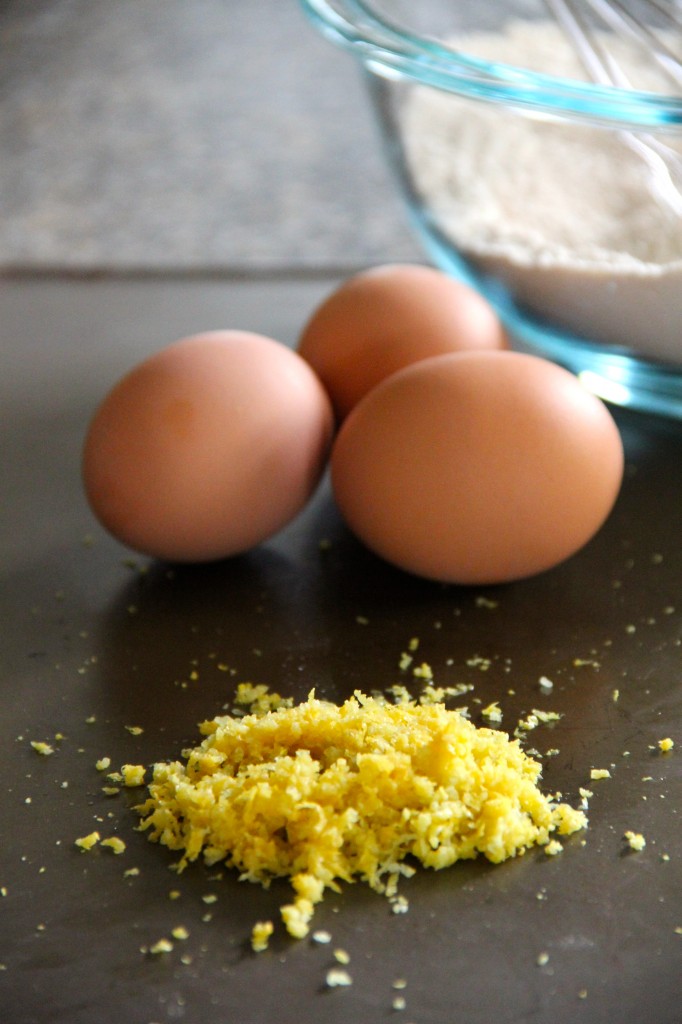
546	716
338	978
405	661
259	699
399	904
585	794
114	843
492	712
87	842
42	748
133	775
162	946
526	724
635	840
260	935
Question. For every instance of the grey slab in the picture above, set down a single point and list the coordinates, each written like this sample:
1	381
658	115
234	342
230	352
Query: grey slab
89	643
211	134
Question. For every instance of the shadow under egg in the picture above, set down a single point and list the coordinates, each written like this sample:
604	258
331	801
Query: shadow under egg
178	639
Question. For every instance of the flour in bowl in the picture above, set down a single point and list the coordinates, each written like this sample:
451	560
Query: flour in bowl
562	213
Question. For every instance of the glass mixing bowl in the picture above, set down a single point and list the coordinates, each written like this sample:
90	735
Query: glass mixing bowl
554	196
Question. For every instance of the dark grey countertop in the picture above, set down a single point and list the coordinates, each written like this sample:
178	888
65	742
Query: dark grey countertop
92	641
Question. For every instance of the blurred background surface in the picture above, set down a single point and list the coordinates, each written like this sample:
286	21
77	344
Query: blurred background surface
209	135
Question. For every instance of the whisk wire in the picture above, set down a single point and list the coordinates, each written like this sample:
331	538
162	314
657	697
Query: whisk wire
621	19
664	162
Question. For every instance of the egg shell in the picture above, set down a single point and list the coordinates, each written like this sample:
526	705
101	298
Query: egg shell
477	468
207	447
383	319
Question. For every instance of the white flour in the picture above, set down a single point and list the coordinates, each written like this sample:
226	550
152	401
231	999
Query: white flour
562	213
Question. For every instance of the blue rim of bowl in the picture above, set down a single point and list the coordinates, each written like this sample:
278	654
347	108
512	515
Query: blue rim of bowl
391	52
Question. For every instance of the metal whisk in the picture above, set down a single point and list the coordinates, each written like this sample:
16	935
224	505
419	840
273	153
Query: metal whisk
664	162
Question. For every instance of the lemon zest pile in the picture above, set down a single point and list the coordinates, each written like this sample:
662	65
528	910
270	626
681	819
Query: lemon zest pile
323	794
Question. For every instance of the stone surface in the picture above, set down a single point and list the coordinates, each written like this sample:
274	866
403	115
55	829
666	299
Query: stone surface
171	135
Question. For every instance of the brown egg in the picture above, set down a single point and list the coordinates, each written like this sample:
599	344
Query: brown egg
208	447
478	467
383	319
